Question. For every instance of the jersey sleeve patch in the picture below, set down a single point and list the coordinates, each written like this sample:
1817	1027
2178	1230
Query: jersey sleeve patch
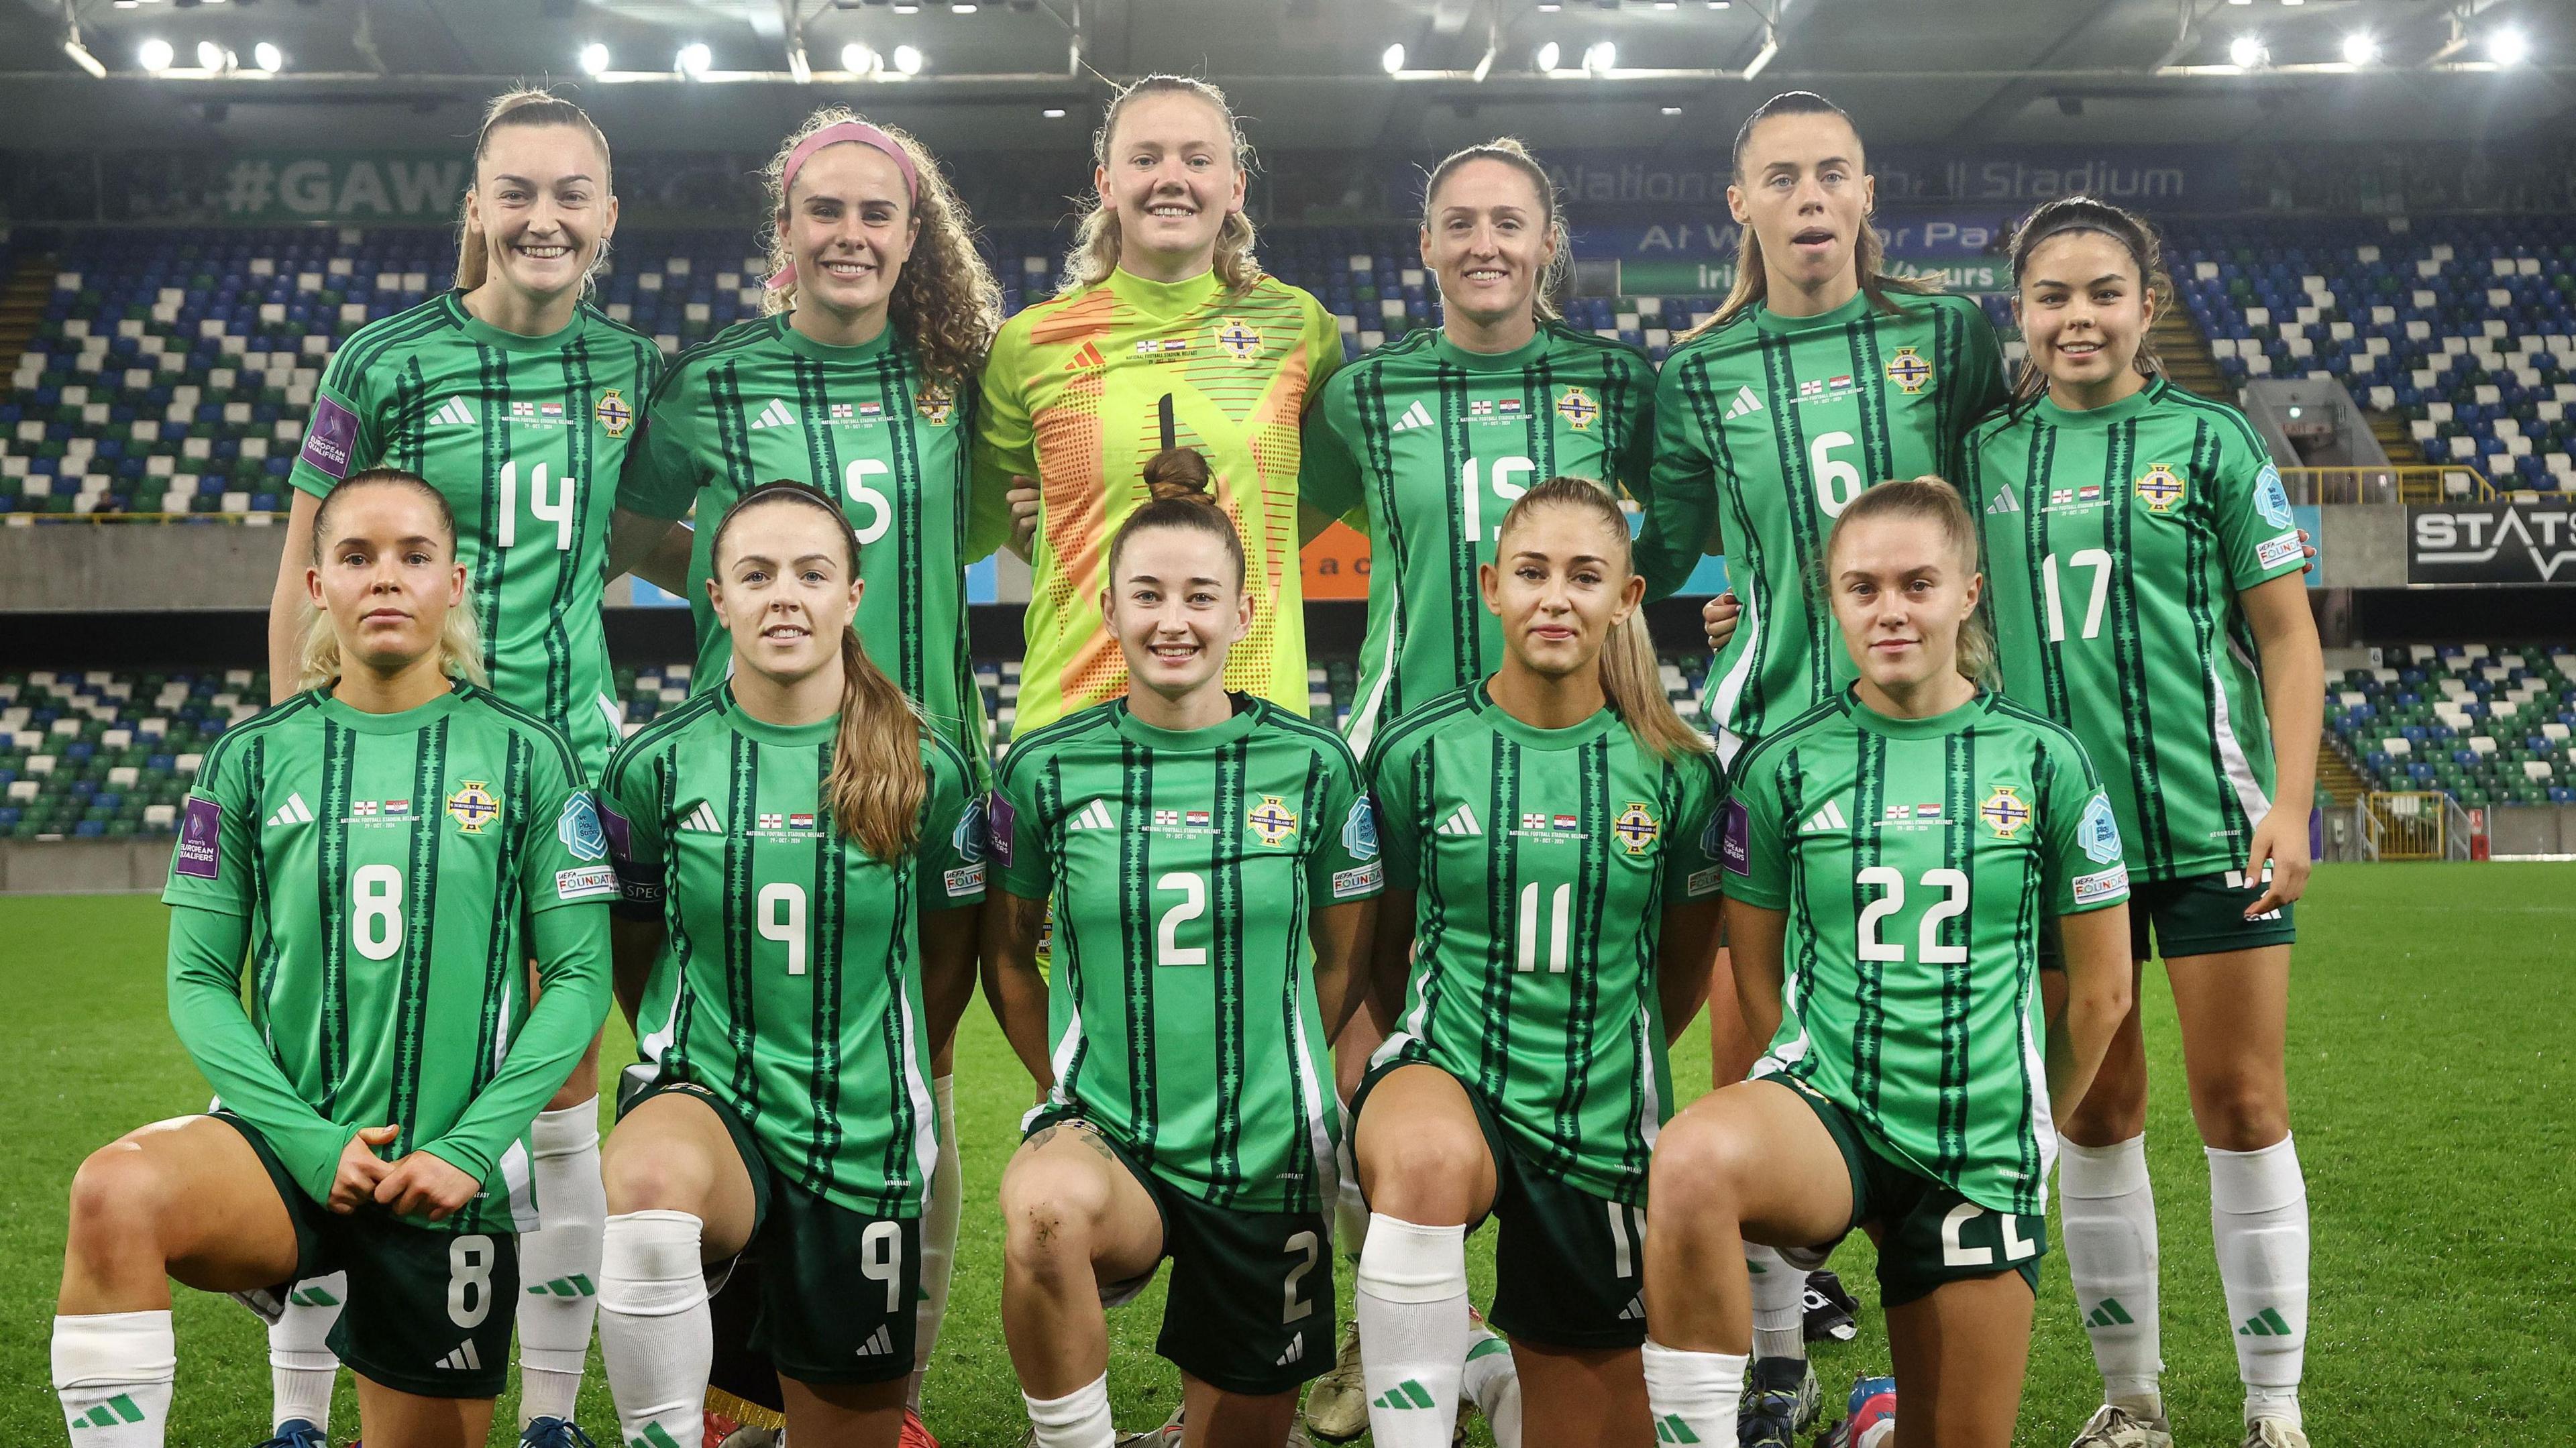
1735	846
580	830
1001	825
2270	498
968	839
1367	880
331	437
589	882
2101	887
1359	833
1703	883
964	881
2273	552
200	852
2098	832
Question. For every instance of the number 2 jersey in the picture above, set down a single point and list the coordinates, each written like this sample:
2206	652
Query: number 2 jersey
1918	860
1186	866
1542	862
2117	540
391	867
1429	444
789	981
763	401
1766	427
525	437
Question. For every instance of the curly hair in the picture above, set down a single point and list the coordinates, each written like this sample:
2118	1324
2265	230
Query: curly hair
1095	239
945	299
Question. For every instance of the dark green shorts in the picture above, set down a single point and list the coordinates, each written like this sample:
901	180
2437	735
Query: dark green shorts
1928	1234
2196	915
429	1309
837	1287
1569	1267
1250	1309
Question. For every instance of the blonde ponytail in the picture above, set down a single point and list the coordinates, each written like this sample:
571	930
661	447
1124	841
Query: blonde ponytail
1631	678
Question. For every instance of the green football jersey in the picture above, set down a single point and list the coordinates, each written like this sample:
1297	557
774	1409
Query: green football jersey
389	865
789	982
1918	860
1185	866
1766	428
2116	543
1427	445
525	436
1542	862
763	401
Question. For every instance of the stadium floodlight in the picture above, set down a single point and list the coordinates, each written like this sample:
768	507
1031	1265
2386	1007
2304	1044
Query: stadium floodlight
2359	49
2508	47
1600	56
907	59
1393	58
857	59
962	7
2245	52
594	59
693	59
266	58
213	59
154	55
1672	110
81	57
1547	57
1053	113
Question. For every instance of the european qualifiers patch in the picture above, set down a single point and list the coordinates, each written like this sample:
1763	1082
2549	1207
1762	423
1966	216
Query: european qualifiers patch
473	807
1578	409
935	404
1909	371
613	413
1272	820
1240	339
2005	812
2161	489
1636	828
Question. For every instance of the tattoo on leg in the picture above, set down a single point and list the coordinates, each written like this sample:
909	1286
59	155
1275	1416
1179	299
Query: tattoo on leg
1043	1135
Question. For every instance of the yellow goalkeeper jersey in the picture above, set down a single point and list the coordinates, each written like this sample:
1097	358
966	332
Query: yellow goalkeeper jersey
1073	397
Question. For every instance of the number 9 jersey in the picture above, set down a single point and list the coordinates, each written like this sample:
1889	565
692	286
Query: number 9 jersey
525	437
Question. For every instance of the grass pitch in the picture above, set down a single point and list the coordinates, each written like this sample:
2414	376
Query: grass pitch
2433	1091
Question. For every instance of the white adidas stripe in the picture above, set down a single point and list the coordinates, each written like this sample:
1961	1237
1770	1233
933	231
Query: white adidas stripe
1746	404
453	412
1828	818
775	415
464	1358
1461	823
1415	416
1093	816
879	1343
703	820
293	812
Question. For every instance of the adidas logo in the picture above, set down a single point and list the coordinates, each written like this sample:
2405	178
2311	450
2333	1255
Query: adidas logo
452	413
1671	1429
2110	1314
113	1413
1404	1395
2267	1323
1461	823
1745	405
879	1343
1296	1352
702	820
652	1437
1093	816
774	415
2004	502
573	1286
293	812
464	1359
312	1297
1087	358
1635	1311
1415	416
1827	819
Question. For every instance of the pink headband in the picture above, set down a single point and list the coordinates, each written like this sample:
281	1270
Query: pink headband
833	135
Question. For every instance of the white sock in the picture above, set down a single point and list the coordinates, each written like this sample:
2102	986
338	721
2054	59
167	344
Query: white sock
938	1236
1493	1384
1350	1217
1693	1395
655	1338
2110	1230
1413	1330
1079	1419
559	1263
1779	1303
113	1371
2258	1217
301	1367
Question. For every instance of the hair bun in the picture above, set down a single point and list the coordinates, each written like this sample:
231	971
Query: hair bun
1180	473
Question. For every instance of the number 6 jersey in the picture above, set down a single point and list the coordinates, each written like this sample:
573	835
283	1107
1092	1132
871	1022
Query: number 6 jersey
525	437
1185	866
1917	860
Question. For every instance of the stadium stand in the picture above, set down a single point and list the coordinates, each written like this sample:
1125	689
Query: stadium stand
2485	726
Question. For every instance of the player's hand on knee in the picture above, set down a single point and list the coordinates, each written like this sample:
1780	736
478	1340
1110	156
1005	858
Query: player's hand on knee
1718	617
2281	842
423	1184
1024	515
360	1168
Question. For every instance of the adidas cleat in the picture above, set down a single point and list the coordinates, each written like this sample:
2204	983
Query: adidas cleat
1831	1310
1337	1405
298	1433
1781	1399
2274	1433
2113	1426
554	1433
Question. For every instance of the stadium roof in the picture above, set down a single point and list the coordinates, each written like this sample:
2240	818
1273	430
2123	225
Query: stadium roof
1313	73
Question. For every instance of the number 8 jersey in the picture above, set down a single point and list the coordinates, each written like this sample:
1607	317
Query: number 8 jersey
1917	860
525	437
1767	427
